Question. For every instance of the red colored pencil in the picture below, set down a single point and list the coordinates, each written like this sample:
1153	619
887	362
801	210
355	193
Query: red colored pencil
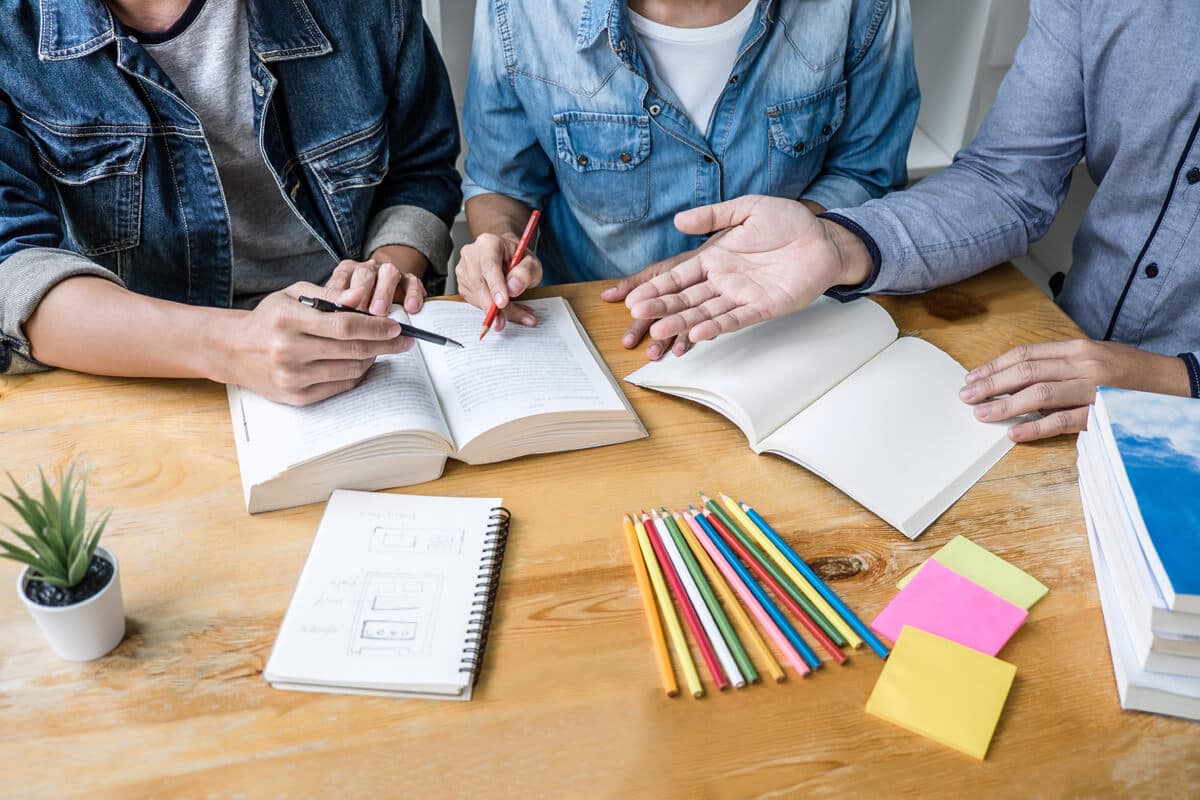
518	254
685	605
780	595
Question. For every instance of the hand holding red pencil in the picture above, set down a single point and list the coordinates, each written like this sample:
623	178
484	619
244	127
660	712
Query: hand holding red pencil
496	268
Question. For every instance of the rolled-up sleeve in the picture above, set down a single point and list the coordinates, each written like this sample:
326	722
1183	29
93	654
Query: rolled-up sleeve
32	258
504	155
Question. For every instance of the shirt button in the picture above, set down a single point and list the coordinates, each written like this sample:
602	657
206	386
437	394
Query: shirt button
708	159
654	109
626	158
799	147
826	130
1193	175
133	39
258	88
1152	270
581	160
733	79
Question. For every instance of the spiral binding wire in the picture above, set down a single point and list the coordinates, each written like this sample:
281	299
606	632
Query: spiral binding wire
486	583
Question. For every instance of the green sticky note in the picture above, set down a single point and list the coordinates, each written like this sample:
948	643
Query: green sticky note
942	690
988	570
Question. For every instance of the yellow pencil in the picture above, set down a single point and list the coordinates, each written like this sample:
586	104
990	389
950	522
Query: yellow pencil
649	606
731	604
678	641
835	619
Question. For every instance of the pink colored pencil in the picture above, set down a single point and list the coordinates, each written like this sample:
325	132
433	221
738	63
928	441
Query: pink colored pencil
685	605
748	600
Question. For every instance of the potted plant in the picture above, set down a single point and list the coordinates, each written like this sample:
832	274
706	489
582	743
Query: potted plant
70	584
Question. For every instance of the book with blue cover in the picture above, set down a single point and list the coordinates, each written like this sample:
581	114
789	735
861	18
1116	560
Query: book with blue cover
1153	444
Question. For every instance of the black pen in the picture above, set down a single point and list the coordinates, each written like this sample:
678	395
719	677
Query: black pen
321	304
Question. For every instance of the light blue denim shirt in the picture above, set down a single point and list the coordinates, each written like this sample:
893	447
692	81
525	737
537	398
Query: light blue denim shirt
563	113
1112	81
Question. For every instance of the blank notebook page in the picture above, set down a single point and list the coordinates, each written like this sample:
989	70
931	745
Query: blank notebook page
384	599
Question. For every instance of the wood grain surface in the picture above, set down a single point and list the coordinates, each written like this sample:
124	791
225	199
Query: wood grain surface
569	704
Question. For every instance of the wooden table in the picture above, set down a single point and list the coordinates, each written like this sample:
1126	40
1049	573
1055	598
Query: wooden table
569	703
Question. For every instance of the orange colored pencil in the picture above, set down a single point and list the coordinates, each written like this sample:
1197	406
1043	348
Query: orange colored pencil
649	605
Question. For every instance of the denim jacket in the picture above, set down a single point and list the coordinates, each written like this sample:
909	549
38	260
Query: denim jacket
564	113
104	169
1085	84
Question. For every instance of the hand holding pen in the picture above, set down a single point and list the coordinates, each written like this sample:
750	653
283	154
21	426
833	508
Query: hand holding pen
412	331
495	268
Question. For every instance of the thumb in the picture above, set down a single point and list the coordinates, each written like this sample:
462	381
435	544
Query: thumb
706	219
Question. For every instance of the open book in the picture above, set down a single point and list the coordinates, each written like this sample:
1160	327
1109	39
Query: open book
522	391
833	389
395	598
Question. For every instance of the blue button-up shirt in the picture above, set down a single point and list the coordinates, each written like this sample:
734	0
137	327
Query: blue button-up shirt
1111	81
565	114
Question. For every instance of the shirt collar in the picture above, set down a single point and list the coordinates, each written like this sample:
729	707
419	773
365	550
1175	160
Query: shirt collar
597	15
74	28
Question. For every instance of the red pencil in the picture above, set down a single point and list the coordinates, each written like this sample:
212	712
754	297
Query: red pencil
780	595
685	605
518	254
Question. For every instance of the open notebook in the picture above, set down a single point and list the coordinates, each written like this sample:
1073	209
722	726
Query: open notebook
833	389
521	391
395	597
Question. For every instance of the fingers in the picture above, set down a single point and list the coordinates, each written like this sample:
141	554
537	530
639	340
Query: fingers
520	313
1038	397
683	275
491	255
634	333
707	219
683	321
1017	377
386	287
732	320
339	280
522	276
344	327
1025	352
320	391
1070	420
411	293
319	348
617	293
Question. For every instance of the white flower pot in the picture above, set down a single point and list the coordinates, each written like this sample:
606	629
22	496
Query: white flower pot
83	631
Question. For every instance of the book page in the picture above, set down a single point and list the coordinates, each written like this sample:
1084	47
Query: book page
385	596
762	376
396	395
895	436
519	372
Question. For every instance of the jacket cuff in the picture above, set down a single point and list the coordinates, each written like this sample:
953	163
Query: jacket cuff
847	293
836	191
1193	368
411	226
27	276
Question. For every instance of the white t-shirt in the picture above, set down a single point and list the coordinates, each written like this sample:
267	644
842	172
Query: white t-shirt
694	62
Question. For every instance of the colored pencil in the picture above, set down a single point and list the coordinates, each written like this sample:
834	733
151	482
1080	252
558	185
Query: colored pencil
806	652
678	640
741	546
726	642
771	547
666	672
518	254
729	667
685	605
865	632
720	581
794	594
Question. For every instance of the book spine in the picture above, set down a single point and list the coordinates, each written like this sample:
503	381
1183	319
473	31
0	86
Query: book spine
486	583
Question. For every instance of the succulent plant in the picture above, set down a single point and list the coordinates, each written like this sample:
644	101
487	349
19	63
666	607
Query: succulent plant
60	544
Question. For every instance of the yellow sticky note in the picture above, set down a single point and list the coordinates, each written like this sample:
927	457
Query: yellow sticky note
942	690
987	569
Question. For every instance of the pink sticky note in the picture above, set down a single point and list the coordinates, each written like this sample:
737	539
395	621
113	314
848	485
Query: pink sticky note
940	601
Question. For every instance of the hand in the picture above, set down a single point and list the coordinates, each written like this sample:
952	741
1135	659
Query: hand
637	329
293	354
382	283
481	279
1059	379
776	258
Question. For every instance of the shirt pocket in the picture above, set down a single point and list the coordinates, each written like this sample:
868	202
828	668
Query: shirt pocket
347	170
98	178
603	163
799	131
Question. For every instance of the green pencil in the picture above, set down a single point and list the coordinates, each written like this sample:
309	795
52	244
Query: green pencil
710	600
833	633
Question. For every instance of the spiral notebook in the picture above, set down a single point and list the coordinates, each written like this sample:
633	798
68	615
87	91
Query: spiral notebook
395	598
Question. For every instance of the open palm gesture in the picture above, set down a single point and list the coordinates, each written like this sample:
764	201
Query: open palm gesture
776	258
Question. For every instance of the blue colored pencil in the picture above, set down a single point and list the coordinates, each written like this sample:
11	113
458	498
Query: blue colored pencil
801	646
851	618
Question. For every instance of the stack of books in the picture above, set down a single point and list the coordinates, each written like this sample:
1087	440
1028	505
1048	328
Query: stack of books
1139	479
